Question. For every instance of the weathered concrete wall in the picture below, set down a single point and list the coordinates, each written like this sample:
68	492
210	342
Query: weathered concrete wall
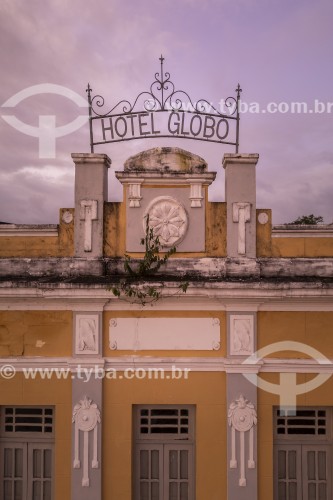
267	245
240	190
35	333
264	232
57	269
165	157
216	229
39	246
114	229
91	192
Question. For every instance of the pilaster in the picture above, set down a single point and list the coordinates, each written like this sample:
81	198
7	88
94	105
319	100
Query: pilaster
91	191
240	195
242	461
87	384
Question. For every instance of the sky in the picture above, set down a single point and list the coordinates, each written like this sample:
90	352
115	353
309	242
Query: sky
280	51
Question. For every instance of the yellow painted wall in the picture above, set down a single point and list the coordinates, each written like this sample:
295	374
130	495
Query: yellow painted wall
302	247
268	246
264	234
53	392
164	314
312	328
115	238
216	229
35	333
41	246
114	229
205	390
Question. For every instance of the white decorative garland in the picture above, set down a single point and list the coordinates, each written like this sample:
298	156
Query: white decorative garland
86	415
242	417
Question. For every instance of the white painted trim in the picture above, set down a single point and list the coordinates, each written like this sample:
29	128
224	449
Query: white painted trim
26	231
88	213
134	193
241	213
31	304
86	417
30	299
195	364
223	293
302	232
153	178
242	416
196	195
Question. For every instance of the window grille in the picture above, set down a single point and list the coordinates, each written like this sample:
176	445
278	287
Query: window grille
173	422
307	422
21	419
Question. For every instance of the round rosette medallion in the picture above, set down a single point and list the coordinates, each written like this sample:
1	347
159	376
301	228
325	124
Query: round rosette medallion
243	419
168	219
87	418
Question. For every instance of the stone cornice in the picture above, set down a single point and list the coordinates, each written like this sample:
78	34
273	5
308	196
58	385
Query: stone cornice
194	364
302	231
28	230
105	270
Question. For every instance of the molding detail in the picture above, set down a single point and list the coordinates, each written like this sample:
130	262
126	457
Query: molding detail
262	218
86	334
216	346
241	213
242	417
113	346
134	194
88	213
196	193
169	220
86	416
67	217
241	335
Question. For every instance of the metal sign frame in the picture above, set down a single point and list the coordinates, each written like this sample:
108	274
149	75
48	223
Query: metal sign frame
162	97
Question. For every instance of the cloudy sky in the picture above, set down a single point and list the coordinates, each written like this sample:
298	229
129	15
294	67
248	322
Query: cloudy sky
279	51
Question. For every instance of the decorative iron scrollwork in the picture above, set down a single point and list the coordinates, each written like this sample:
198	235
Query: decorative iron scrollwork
163	96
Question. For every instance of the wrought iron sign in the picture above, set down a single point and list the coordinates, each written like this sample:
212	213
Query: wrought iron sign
163	111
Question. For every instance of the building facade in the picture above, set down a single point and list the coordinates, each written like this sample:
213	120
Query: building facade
220	389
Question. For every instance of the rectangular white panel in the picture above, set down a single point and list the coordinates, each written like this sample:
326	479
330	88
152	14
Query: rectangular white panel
164	334
86	333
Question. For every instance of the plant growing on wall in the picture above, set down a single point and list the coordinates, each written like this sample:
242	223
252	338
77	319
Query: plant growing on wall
135	286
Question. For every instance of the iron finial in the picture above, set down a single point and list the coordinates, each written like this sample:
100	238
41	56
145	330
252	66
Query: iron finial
89	90
161	59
